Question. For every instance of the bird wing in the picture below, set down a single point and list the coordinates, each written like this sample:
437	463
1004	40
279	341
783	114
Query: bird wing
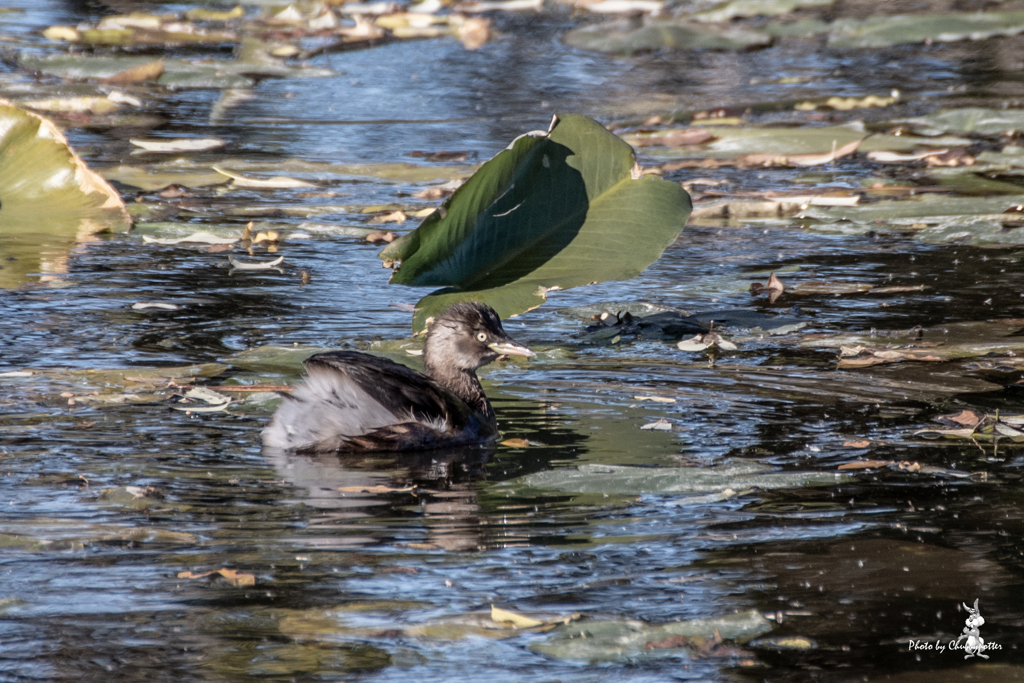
348	394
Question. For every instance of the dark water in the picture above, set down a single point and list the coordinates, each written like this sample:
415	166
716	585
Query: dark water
348	583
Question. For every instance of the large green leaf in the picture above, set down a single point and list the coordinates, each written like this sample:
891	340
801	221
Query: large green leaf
49	199
553	210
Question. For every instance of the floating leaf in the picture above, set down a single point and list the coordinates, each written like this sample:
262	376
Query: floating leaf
604	641
277	182
948	342
774	288
501	5
883	31
162	176
379	488
627	480
864	464
848	103
49	198
967	418
970	120
624	37
754	8
255	265
178	73
555	210
194	238
896	158
150	71
232	576
75	105
179	145
202	14
155	304
503	616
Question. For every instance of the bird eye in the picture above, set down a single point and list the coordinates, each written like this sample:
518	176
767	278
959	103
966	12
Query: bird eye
481	336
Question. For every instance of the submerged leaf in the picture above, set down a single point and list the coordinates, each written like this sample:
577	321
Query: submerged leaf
554	210
604	641
631	481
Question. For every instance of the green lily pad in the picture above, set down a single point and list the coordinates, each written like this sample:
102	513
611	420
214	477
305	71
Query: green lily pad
632	481
624	36
555	210
178	73
1008	157
966	180
935	218
274	358
128	37
49	199
609	641
970	120
956	341
883	31
734	141
755	8
151	179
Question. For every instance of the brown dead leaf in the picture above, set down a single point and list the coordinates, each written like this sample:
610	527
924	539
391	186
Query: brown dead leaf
174	192
865	464
965	433
908	466
799	159
516	443
232	576
881	356
774	288
668	643
868	361
675	138
149	71
393	217
380	236
379	488
951	158
857	444
967	418
433	193
475	32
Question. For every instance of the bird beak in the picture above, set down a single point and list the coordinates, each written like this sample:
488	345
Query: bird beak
510	348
